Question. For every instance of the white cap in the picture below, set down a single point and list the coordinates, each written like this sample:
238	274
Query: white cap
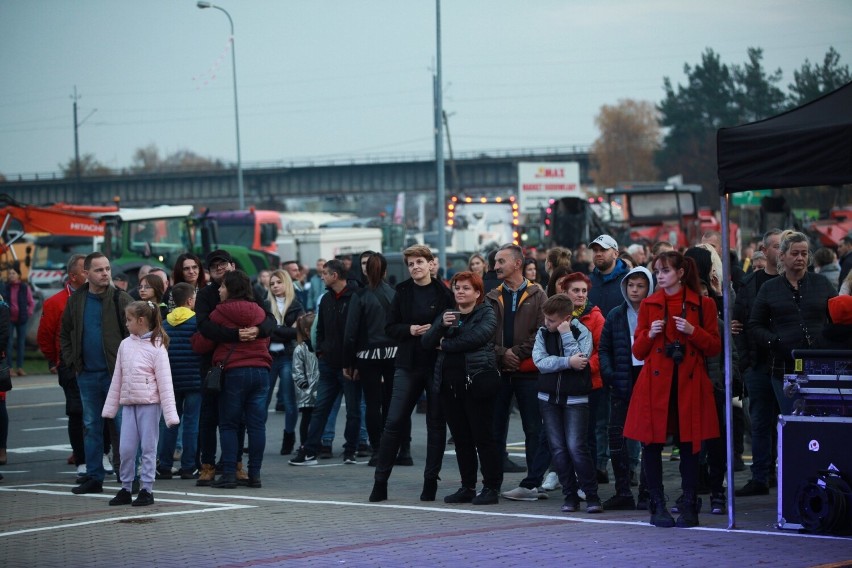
605	241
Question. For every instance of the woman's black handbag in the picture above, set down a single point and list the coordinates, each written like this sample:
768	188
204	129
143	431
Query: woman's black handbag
213	380
484	383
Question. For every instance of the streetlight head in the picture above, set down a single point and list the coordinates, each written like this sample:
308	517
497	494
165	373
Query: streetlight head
203	5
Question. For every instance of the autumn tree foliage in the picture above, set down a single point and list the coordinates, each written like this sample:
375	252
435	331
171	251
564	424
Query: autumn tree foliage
629	138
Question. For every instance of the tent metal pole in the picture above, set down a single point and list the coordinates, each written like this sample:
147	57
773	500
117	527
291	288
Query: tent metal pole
728	346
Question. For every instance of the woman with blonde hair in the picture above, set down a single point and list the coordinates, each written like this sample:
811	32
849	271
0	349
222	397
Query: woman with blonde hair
286	309
477	264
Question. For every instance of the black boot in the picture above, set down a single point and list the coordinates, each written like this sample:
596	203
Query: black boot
379	492
643	499
660	516
404	456
430	488
288	443
689	510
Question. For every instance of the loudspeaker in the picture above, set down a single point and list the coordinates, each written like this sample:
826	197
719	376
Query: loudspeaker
815	474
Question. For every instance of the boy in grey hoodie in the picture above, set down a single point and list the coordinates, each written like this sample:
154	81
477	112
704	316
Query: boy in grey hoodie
619	371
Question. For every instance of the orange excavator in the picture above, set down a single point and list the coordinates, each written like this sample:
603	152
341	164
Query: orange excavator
22	223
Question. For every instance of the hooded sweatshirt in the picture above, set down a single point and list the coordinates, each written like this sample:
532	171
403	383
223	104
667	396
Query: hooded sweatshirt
615	353
633	313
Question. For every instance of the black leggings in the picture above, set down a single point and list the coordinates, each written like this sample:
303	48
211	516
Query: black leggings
408	385
652	462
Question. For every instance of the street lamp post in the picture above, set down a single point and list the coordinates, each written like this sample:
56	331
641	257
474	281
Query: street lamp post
242	196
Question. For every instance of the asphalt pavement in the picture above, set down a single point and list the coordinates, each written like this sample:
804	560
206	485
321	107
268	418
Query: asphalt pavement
319	516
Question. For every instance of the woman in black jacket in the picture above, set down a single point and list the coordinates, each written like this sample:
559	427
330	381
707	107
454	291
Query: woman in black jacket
368	352
465	369
790	311
417	303
286	308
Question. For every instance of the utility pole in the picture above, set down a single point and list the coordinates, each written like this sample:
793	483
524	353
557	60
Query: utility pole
439	146
453	170
76	147
77	124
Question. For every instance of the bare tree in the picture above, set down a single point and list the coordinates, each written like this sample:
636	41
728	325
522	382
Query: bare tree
629	137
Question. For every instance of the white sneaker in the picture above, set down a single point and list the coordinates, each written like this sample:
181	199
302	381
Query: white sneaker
108	466
524	494
81	469
551	482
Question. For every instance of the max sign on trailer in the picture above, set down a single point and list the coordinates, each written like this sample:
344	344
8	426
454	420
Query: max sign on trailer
539	182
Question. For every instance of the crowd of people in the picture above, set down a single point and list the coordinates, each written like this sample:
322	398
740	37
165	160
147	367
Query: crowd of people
610	355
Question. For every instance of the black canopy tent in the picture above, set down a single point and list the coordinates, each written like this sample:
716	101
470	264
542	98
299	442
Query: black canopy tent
806	146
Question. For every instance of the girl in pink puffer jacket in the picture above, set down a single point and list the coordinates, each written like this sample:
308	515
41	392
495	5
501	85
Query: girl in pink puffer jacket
142	385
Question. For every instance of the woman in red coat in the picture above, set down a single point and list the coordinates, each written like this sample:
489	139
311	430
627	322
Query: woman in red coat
673	395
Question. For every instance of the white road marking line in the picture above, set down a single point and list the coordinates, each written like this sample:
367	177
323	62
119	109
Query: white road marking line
29	489
34	405
34	449
46	428
454	511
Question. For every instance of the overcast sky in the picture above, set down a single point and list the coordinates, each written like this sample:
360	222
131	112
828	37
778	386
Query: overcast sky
350	78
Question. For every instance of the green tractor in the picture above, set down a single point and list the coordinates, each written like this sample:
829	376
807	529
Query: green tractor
158	235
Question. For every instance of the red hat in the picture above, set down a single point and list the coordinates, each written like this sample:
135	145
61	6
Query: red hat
840	309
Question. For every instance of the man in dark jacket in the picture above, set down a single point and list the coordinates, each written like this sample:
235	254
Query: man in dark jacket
93	326
331	324
754	366
605	293
517	303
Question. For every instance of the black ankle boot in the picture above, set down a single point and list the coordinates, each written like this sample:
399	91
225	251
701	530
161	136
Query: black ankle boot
288	443
689	510
660	516
380	491
430	488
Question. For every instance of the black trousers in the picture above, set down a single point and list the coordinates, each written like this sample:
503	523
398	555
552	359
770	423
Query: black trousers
376	377
471	424
408	385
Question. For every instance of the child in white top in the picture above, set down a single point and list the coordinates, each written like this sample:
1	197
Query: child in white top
142	385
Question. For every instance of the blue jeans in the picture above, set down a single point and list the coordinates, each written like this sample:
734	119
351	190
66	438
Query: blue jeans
331	383
331	422
599	417
618	447
243	398
282	372
567	433
763	411
541	461
188	409
526	393
94	387
18	344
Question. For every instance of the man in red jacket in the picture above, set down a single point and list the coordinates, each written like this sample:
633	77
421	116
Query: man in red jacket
48	343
